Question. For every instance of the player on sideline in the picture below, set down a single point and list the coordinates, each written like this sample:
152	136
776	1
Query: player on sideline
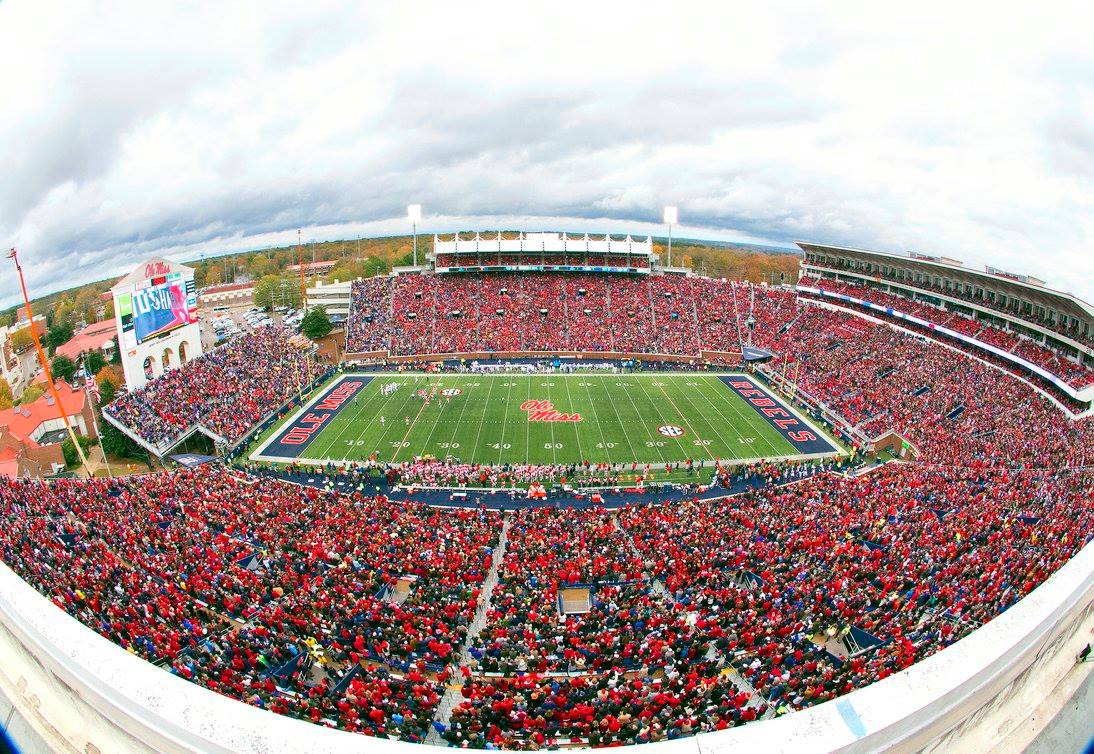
382	422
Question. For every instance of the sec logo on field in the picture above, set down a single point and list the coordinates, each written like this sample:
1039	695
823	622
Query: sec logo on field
671	430
451	392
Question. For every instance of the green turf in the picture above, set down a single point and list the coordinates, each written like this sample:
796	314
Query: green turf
485	424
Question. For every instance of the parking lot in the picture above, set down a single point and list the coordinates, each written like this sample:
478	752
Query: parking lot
221	324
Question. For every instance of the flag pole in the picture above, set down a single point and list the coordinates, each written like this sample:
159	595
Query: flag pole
300	264
14	255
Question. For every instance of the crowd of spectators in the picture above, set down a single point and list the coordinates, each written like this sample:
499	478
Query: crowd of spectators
369	329
789	597
594	627
1036	353
526	312
666	314
264	591
879	379
227	391
348	611
980	297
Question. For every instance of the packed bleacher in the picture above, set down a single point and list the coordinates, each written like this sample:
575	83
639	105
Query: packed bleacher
553	627
1035	353
227	390
979	297
264	591
700	616
526	312
659	314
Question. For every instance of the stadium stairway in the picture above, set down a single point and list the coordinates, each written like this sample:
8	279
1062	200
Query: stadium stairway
452	695
755	699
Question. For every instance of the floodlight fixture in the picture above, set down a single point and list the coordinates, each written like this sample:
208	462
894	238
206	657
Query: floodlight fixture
414	215
671	217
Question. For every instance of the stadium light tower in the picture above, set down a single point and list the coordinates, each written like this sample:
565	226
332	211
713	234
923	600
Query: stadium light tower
414	215
671	218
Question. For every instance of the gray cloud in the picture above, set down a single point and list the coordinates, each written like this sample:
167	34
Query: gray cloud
138	130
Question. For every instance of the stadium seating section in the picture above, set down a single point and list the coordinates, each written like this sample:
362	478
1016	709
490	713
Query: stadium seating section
227	391
551	626
1035	353
980	300
662	314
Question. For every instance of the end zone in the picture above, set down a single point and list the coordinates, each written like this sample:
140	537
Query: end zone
289	442
795	429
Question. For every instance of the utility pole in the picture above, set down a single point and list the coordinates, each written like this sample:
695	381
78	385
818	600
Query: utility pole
300	264
14	255
414	215
671	218
94	416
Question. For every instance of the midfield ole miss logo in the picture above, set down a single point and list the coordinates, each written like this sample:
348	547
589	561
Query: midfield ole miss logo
544	411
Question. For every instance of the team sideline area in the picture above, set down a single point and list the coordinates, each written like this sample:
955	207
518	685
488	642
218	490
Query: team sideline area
551	418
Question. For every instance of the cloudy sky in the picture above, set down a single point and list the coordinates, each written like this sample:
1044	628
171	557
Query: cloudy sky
137	128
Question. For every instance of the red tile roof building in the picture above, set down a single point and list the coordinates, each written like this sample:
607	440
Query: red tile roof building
25	431
98	336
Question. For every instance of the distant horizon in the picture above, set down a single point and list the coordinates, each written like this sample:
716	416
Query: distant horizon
396	228
131	130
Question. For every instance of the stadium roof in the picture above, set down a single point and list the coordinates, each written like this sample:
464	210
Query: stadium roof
1012	285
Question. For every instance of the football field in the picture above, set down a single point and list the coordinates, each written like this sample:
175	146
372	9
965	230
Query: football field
542	419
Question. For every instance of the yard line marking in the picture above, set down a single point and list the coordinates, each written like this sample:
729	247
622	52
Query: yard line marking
408	396
728	422
554	455
528	425
341	416
442	383
408	431
577	434
505	422
411	394
352	421
640	420
755	422
683	418
482	414
618	420
751	419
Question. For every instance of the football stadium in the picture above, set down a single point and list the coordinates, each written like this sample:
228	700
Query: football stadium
546	490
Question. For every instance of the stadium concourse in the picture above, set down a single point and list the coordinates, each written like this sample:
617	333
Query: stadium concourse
557	626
